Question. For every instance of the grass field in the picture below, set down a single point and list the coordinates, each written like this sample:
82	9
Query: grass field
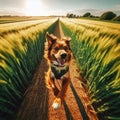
21	50
96	48
12	19
16	26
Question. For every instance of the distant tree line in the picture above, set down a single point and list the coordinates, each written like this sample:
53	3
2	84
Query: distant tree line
105	16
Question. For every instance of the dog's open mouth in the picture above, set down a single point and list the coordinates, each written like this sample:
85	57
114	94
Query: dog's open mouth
61	62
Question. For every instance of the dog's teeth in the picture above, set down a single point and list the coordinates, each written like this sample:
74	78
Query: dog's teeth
56	105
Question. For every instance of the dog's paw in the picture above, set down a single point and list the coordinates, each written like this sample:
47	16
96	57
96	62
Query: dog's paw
57	103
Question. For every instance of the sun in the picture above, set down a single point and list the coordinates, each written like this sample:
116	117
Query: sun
35	8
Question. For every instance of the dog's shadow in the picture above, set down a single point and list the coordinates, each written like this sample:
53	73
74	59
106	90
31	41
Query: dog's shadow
67	111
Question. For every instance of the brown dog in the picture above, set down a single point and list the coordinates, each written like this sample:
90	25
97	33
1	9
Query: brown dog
58	55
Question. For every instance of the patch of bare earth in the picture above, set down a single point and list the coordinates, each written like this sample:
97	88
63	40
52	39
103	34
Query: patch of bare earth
37	103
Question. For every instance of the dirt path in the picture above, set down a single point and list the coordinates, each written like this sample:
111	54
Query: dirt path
38	100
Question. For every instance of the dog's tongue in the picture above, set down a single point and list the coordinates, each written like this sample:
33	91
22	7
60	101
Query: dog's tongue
62	62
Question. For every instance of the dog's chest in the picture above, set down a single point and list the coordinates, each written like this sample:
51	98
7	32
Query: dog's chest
59	73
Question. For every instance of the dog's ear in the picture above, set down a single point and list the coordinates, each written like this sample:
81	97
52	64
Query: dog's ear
67	39
51	38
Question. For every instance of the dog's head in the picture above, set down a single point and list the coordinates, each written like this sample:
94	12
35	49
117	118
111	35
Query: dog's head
59	52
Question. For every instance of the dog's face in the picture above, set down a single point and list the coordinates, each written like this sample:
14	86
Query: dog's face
59	52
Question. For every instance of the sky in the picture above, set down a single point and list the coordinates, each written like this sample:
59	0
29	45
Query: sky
55	7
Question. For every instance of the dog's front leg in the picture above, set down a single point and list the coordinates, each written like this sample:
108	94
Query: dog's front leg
50	82
61	95
54	88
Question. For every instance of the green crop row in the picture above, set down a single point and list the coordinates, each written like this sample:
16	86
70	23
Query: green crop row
20	53
97	51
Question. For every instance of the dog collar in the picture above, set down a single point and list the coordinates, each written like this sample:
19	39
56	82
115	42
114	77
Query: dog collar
59	74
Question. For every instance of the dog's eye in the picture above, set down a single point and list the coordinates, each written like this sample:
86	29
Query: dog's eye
66	48
56	48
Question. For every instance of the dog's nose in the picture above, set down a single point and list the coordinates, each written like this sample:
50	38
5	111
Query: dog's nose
63	56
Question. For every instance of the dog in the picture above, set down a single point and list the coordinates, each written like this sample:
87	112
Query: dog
58	56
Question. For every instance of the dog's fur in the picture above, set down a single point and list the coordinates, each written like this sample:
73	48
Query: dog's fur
58	55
